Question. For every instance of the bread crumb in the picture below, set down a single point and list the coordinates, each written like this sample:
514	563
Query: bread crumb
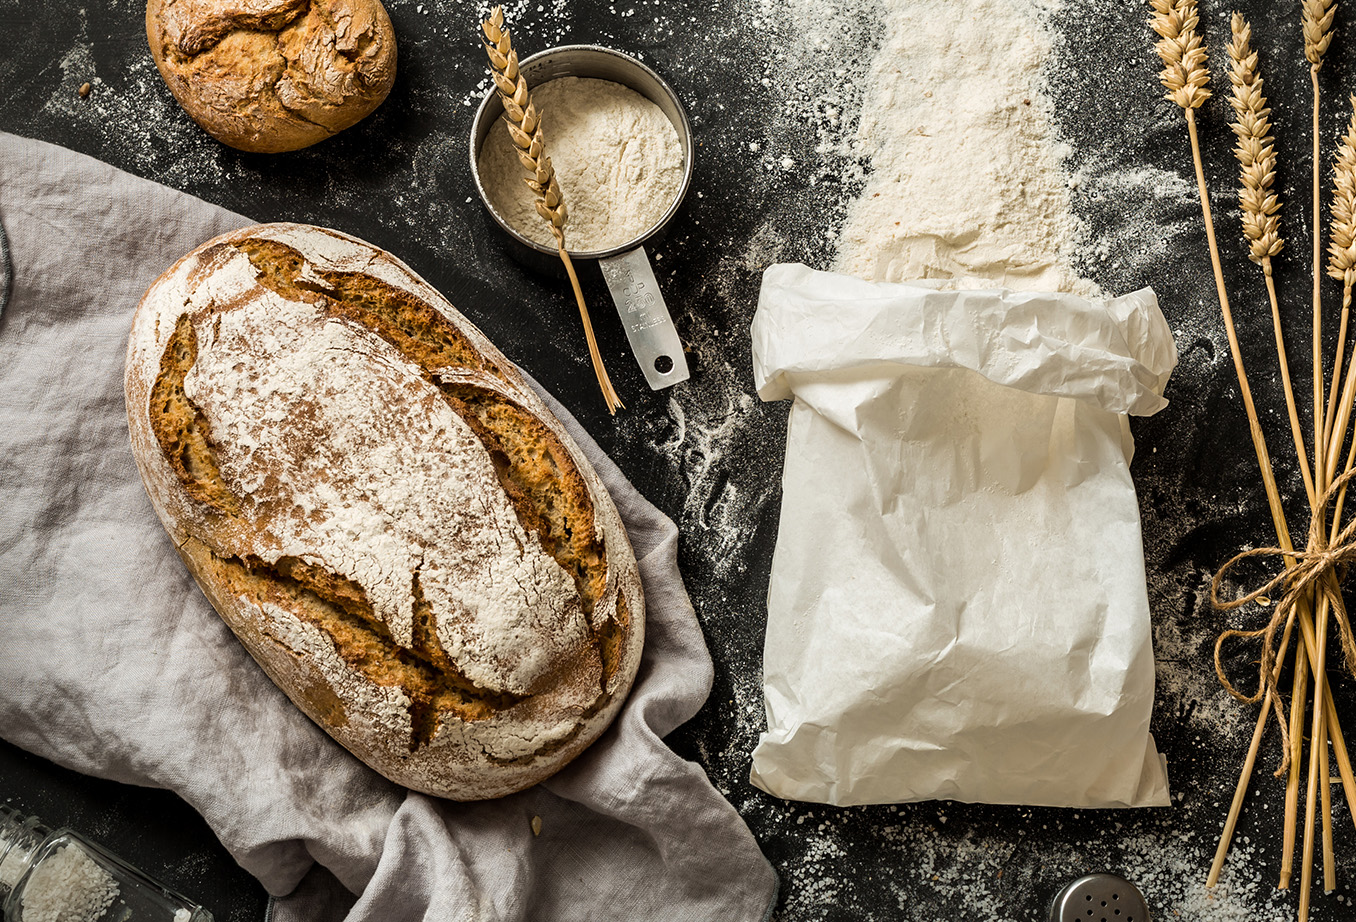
536	825
84	89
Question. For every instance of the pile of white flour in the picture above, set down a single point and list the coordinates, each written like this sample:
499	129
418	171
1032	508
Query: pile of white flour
965	181
616	155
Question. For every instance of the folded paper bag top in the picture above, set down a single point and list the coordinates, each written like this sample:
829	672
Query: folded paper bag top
957	607
1116	354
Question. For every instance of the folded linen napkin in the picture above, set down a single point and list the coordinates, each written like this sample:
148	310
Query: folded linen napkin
112	663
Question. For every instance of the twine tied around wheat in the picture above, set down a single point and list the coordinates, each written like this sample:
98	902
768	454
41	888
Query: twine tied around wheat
1317	571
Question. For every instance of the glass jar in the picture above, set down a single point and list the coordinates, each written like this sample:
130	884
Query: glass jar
60	876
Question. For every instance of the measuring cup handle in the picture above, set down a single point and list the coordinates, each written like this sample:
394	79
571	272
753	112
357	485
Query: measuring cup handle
645	317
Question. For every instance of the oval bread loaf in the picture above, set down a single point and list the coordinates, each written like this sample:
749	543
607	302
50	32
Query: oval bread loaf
390	520
273	75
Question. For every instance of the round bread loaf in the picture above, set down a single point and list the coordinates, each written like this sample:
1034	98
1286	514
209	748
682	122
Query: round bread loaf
394	525
273	75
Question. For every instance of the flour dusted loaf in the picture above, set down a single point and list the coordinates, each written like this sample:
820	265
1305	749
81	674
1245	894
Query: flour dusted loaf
389	519
273	75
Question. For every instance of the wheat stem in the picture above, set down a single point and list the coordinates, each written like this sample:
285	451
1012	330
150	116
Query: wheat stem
1318	741
1319	446
1245	775
1351	462
1316	18
1292	409
584	316
1329	860
524	126
1299	686
1339	751
1254	425
1334	429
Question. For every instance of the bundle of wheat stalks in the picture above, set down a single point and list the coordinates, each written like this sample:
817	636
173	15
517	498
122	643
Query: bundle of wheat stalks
1309	586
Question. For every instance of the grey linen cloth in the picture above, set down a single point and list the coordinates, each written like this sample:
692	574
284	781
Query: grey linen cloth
112	662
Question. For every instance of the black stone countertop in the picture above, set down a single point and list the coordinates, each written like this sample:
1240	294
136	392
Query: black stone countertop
762	85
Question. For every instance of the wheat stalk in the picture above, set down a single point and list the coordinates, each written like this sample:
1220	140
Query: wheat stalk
1186	79
1260	207
524	126
1316	19
1258	203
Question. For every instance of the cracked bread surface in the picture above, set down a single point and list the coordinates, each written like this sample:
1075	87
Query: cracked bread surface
393	524
269	76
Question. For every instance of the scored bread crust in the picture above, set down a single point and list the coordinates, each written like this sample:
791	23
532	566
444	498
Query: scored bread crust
391	521
269	76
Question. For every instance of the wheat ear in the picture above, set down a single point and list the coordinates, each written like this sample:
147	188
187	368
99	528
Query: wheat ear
1255	149
1342	266
1342	245
1316	17
524	126
1183	53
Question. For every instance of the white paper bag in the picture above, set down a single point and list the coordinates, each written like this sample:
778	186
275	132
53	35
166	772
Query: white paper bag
958	606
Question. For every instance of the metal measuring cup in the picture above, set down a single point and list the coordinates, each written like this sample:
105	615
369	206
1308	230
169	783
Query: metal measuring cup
626	268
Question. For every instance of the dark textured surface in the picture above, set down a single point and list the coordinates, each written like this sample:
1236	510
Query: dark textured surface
709	454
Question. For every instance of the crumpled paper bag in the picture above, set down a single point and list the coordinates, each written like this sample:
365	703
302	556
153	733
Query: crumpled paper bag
957	607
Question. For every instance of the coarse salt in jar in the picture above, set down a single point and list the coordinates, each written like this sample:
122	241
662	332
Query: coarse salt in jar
59	876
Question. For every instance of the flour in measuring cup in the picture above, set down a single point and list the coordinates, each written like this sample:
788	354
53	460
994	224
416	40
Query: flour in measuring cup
615	153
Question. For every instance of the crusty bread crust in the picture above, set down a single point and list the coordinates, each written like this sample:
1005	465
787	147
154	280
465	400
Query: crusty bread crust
273	75
390	520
